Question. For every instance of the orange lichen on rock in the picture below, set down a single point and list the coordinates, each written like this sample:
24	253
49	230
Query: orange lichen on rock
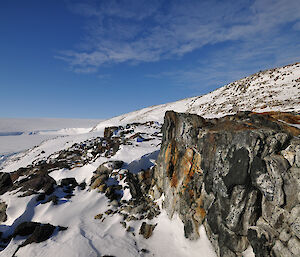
171	156
168	153
190	164
287	117
174	180
228	125
186	161
200	212
286	120
196	167
191	193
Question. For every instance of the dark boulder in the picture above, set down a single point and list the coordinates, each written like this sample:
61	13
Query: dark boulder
41	233
110	131
5	182
38	182
146	230
71	182
25	228
3	215
36	232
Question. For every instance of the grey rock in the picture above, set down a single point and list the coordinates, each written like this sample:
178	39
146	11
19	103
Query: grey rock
99	180
295	227
3	216
236	208
285	235
280	250
102	188
108	167
238	175
146	230
294	246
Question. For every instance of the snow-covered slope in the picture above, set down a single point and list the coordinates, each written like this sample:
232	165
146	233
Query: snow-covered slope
276	89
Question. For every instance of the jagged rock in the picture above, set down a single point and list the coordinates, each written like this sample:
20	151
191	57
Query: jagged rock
25	228
109	211
3	215
134	186
41	233
98	216
295	227
130	218
108	167
291	187
109	131
102	188
261	241
41	197
36	232
71	182
145	250
37	182
5	182
239	175
285	235
99	180
279	250
53	199
294	246
146	230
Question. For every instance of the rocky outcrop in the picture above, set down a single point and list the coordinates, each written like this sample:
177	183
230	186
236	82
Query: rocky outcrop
3	216
239	176
5	182
36	232
146	230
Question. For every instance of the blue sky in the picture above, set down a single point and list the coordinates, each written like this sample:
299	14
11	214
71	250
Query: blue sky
98	59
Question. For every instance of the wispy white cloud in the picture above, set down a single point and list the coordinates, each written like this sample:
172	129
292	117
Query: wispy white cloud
147	31
222	67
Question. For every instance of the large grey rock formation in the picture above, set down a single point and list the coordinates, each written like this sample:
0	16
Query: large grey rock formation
238	175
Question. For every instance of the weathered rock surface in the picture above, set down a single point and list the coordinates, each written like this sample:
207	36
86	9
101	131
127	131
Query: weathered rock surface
146	230
239	176
3	215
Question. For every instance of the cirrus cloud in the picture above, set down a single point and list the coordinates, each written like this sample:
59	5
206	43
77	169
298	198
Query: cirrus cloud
138	31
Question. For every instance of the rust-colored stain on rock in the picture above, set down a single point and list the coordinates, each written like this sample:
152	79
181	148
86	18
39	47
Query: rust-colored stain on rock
186	161
171	156
174	180
200	212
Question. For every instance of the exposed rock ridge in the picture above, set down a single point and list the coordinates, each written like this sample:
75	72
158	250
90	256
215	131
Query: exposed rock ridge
238	175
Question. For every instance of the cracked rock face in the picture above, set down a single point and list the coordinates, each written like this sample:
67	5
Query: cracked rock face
239	176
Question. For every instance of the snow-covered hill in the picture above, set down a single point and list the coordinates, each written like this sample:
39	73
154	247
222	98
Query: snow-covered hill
96	225
271	90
